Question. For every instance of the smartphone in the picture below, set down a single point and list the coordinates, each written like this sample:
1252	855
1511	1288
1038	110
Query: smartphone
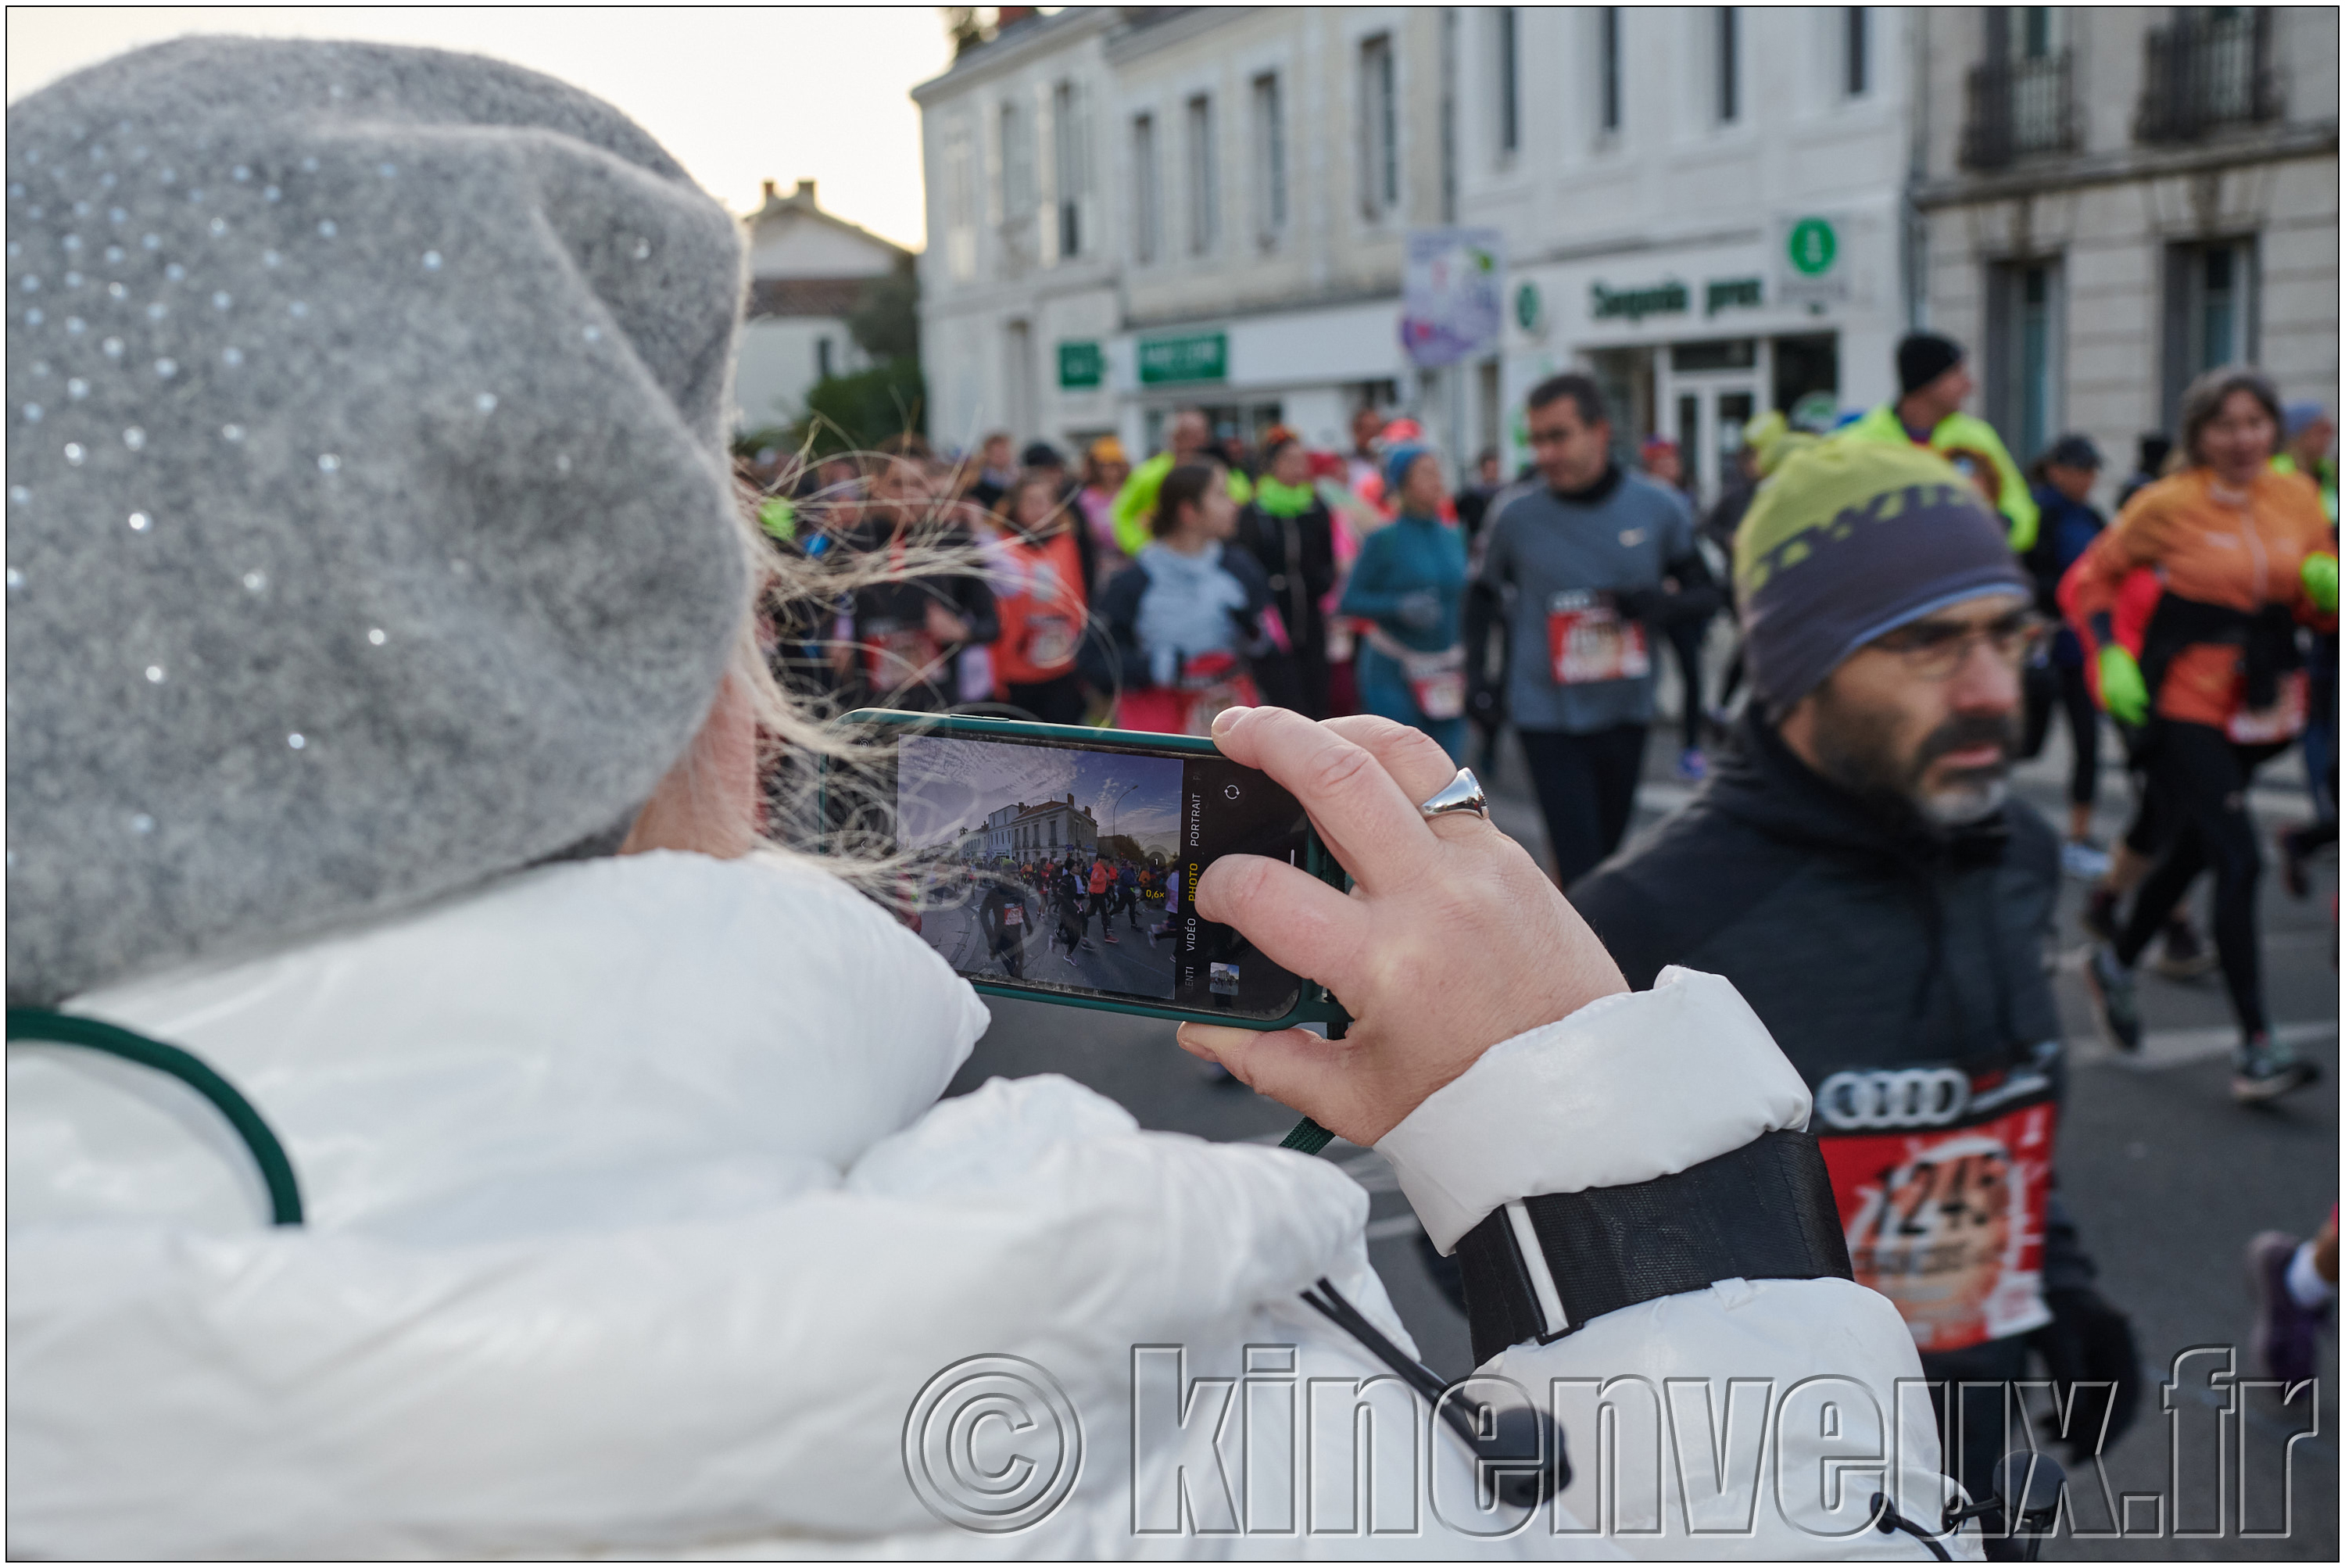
1060	863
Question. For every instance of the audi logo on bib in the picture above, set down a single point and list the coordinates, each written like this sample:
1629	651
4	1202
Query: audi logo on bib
1908	1098
1941	1184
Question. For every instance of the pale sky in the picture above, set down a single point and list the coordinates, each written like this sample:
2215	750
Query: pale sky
736	96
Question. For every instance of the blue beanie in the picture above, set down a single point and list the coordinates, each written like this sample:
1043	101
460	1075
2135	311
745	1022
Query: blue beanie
1398	462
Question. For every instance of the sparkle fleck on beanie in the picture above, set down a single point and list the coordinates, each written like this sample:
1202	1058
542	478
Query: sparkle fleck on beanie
1849	540
367	528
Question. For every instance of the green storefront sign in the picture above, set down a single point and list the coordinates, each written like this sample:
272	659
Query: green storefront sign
1731	293
1190	357
1657	299
1530	309
1081	364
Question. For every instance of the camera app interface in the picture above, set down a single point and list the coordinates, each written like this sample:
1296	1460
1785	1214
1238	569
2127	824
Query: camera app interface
1059	869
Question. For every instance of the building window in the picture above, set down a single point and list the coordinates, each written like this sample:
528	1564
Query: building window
1730	64
1071	160
822	357
1380	129
1510	114
2021	94
2024	362
2031	39
1017	164
2210	312
960	205
1145	204
1270	153
2211	67
1608	68
1204	181
1854	42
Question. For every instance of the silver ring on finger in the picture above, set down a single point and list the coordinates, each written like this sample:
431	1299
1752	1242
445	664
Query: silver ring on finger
1462	794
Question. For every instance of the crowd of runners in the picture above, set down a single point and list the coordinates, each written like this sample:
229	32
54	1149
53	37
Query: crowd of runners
1060	896
1851	764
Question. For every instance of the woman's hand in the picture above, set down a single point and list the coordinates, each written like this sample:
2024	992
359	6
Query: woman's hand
1451	940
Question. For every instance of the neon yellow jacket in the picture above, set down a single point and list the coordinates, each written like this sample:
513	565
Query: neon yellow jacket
1135	504
1964	433
2323	477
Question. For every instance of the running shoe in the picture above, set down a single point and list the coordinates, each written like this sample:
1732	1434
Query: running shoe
2264	1069
2110	984
2292	874
1693	766
1111	937
2084	860
2284	1342
2181	954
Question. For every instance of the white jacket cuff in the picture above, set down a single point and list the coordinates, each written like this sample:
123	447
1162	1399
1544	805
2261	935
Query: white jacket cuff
1630	1087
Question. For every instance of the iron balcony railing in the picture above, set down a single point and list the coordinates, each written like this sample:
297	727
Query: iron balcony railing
2206	71
2019	106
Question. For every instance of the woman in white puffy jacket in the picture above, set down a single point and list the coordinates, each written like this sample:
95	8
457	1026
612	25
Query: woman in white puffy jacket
398	758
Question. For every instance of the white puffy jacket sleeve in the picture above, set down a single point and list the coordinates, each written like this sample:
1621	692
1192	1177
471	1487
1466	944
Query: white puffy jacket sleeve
1754	1418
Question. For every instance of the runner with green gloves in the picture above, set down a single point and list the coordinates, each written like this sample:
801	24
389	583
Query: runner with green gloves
2309	433
1932	383
1135	504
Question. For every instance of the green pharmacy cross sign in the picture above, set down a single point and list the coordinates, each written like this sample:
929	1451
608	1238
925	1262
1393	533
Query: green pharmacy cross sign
1811	246
1189	357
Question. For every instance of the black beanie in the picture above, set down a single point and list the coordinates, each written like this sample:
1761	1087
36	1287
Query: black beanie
1923	358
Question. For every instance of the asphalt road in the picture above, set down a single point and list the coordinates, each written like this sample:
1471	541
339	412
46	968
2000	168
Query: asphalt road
2167	1180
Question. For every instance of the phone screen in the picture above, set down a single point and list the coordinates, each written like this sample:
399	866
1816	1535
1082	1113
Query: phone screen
1065	869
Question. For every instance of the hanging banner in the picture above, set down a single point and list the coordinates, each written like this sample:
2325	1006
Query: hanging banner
1452	296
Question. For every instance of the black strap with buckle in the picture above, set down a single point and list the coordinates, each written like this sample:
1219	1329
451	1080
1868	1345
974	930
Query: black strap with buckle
1764	1211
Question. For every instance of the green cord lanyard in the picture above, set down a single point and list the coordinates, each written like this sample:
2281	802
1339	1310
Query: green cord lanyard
65	1029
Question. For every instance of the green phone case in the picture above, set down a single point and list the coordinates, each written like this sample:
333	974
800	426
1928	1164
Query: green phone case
1315	1003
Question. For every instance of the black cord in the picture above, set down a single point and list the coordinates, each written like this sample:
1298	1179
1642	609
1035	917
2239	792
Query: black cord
1511	1430
1888	1520
65	1029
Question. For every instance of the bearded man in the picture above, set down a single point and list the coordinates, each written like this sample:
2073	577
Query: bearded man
1857	868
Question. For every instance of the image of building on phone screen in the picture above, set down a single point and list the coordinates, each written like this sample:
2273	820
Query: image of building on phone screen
1042	865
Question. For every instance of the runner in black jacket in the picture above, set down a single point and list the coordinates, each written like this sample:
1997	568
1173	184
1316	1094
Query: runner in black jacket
1896	955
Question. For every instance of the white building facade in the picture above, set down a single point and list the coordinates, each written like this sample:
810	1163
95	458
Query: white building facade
2119	198
1204	205
1022	831
808	268
1704	205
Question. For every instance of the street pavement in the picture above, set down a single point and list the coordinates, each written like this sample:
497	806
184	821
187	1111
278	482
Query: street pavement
2167	1179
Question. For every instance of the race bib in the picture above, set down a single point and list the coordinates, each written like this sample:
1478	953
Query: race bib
1441	695
895	655
1941	1182
1050	641
2283	720
1588	640
1013	914
1209	683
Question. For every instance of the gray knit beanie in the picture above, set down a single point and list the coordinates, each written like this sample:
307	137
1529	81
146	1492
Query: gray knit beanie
368	526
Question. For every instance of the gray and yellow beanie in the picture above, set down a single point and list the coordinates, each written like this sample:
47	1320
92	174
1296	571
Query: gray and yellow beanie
1849	540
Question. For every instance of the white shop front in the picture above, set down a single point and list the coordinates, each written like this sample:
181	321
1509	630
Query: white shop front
1308	370
1691	341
